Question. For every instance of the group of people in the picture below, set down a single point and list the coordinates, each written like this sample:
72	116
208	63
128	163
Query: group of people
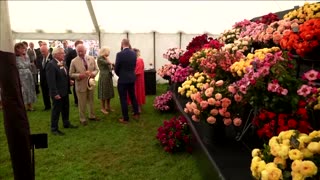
62	68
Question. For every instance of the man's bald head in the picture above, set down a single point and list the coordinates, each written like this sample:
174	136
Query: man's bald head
44	50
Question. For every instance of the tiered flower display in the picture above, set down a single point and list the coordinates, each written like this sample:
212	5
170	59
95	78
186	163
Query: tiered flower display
173	55
290	155
175	135
253	30
202	55
167	70
304	13
193	84
305	40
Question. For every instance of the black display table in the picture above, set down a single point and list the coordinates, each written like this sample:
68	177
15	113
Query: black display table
228	160
150	82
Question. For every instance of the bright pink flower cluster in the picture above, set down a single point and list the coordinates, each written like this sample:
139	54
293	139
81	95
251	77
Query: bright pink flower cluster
253	30
181	74
242	24
173	55
175	135
164	102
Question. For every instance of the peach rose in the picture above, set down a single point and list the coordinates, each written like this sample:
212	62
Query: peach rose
218	96
219	83
237	97
217	103
227	114
195	118
214	112
196	112
209	92
211	101
211	120
237	121
204	104
227	121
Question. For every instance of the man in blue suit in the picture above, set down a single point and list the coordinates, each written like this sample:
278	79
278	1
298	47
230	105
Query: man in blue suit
57	77
125	69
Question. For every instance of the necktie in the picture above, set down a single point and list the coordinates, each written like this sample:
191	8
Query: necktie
85	63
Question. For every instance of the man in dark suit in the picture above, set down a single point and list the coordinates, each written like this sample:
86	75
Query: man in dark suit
125	69
45	58
57	76
68	58
65	47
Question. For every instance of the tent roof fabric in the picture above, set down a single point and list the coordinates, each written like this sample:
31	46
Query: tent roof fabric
191	17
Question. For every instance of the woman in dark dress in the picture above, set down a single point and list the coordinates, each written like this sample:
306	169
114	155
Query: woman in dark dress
105	84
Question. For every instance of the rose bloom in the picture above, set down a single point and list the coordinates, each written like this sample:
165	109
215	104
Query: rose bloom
271	173
237	121
196	112
211	120
204	104
218	96
295	166
255	152
308	168
227	121
237	97
217	103
195	118
211	101
214	112
314	147
278	160
311	75
295	154
209	92
227	114
219	83
231	89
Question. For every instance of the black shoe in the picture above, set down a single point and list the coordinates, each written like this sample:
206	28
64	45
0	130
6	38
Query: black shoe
47	109
57	133
71	126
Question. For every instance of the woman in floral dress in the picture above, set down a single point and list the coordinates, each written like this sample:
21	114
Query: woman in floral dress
105	84
26	78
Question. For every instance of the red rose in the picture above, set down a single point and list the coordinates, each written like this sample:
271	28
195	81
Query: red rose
304	127
271	115
292	123
281	122
262	116
302	103
260	132
282	116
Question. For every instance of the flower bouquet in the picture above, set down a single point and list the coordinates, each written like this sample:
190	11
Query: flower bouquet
267	19
195	45
215	104
164	102
304	13
242	44
310	90
305	41
202	55
175	135
253	30
193	84
270	83
166	71
241	24
217	65
181	74
269	124
240	68
230	35
290	155
173	55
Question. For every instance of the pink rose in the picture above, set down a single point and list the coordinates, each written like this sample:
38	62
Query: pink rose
211	120
237	121
237	97
222	111
195	118
227	114
218	96
204	104
232	89
209	92
196	112
211	101
227	121
214	112
219	83
217	103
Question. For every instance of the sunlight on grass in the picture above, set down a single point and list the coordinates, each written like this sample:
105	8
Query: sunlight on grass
103	150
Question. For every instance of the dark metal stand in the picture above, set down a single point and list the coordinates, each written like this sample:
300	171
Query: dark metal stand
38	141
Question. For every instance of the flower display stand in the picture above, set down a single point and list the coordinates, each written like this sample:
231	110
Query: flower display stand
218	154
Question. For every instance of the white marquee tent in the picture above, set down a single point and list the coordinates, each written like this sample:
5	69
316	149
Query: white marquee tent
151	26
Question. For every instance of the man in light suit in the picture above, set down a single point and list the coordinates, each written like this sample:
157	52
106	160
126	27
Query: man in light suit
57	77
81	68
125	69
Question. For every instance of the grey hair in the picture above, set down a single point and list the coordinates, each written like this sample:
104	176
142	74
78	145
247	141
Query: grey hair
57	50
104	51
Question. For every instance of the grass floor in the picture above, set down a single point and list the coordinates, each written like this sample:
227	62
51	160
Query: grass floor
105	149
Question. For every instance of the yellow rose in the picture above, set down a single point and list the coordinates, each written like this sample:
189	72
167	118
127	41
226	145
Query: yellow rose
239	73
275	149
196	75
314	134
304	138
295	154
308	168
286	134
280	161
314	147
255	152
271	172
187	86
194	90
306	153
193	79
199	85
295	166
192	87
284	151
274	141
188	93
297	176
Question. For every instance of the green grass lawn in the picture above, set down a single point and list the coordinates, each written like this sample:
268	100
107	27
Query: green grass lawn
105	149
